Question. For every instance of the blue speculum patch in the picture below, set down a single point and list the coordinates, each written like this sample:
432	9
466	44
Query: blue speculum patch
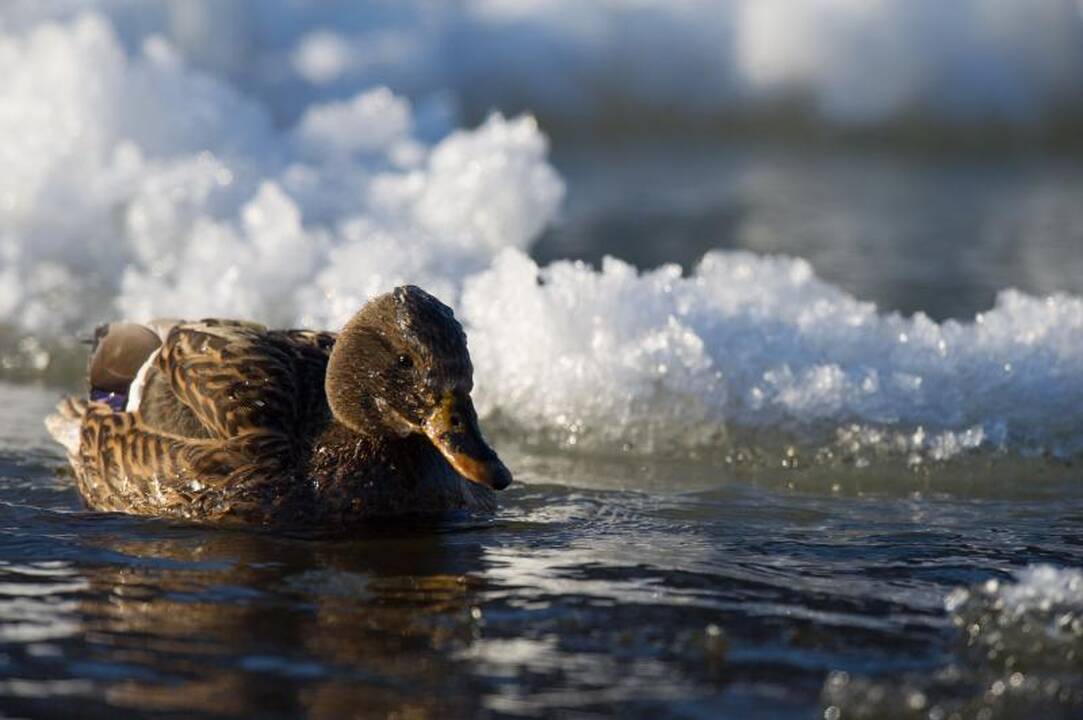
117	401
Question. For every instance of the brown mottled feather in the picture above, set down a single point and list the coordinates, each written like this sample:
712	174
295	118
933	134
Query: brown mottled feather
225	409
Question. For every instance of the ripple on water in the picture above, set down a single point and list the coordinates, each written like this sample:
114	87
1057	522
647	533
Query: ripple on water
603	585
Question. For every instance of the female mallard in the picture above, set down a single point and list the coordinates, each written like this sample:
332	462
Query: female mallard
219	419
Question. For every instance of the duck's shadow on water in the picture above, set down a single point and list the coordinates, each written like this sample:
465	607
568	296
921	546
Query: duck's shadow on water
191	619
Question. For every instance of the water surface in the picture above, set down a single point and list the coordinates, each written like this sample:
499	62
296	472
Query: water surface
601	587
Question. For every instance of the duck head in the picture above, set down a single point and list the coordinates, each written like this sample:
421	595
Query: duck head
399	367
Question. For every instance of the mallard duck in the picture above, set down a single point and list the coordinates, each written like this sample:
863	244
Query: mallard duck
227	420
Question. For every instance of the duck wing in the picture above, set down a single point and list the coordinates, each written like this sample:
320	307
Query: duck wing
231	376
123	466
215	423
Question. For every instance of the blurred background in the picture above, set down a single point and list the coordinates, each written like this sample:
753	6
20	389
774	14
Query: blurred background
968	70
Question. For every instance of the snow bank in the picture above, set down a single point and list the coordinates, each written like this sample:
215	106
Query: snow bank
659	359
133	181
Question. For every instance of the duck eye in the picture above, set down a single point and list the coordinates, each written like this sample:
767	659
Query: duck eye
405	361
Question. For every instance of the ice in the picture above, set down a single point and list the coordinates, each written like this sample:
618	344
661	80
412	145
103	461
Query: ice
761	342
373	122
1039	589
82	124
133	181
322	57
137	185
1019	652
1033	622
1042	588
606	357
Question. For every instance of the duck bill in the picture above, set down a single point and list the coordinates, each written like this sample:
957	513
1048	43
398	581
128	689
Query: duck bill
453	429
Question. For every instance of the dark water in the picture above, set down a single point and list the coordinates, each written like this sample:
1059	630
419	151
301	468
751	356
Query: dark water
937	232
612	586
600	588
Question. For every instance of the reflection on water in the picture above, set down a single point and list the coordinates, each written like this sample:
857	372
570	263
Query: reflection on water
596	590
937	233
250	624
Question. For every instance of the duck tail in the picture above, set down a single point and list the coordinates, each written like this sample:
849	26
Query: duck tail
65	422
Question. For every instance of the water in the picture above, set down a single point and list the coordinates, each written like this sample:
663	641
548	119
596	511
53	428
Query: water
600	588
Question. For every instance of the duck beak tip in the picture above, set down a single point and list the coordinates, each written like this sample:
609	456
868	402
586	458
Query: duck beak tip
453	430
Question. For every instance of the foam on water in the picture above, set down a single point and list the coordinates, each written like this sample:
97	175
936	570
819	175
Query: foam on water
139	186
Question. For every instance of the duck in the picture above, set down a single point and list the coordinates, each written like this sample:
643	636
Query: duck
229	421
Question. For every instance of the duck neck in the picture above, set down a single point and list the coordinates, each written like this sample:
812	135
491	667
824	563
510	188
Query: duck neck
356	474
343	457
338	450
